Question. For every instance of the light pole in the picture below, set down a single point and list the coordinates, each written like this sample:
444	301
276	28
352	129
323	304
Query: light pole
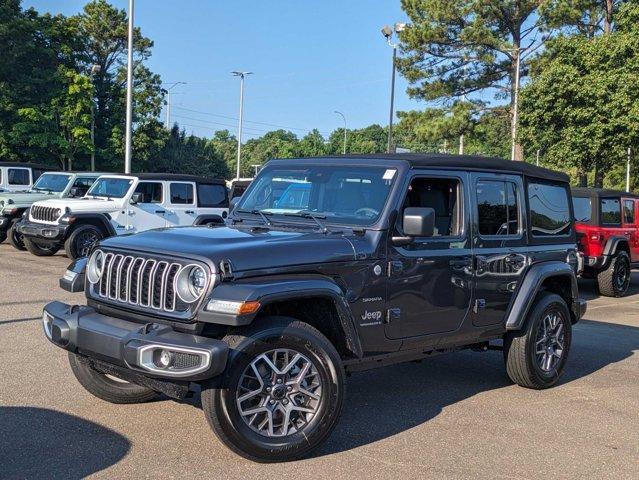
94	69
513	150
168	103
343	118
628	169
388	34
239	124
129	94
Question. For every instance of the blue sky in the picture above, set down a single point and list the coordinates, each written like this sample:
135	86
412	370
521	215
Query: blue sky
309	57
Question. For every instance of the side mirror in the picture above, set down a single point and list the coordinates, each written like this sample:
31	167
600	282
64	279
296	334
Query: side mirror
417	222
234	201
135	198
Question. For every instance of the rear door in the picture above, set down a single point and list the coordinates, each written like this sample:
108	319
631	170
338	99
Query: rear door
499	244
181	204
150	211
629	224
18	178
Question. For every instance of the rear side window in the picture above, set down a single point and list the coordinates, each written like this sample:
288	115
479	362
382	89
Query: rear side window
549	210
36	173
497	208
212	195
82	184
151	192
18	176
583	209
181	193
610	211
629	211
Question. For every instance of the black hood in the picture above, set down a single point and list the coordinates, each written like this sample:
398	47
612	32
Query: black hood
247	249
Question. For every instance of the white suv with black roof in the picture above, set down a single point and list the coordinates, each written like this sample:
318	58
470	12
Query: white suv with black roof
121	204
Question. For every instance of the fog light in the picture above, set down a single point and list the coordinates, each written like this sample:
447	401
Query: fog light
165	359
49	233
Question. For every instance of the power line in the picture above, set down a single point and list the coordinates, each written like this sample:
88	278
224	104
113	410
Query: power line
209	122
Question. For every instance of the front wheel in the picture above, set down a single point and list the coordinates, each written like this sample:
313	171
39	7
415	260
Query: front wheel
536	356
81	241
40	249
16	239
282	392
615	280
106	387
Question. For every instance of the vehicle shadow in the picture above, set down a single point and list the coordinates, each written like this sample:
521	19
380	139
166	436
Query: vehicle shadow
42	443
382	403
588	289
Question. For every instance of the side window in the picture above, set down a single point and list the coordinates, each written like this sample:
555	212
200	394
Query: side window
442	195
212	195
549	210
82	184
610	211
151	192
182	193
18	176
629	212
497	208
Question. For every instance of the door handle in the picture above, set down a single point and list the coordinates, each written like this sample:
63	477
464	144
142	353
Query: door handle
190	212
160	211
461	262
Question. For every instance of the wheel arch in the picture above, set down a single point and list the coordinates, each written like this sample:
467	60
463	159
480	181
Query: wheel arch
616	243
555	277
209	218
100	221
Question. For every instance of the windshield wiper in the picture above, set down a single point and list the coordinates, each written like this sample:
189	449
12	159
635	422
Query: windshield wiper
311	215
260	213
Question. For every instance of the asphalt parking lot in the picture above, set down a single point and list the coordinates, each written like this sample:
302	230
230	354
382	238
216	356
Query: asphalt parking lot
452	416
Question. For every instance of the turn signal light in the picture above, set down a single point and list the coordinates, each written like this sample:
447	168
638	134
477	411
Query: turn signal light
233	308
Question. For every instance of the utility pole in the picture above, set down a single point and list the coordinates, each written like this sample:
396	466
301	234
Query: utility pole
168	103
513	151
461	144
94	69
388	34
239	125
538	156
129	95
628	169
343	118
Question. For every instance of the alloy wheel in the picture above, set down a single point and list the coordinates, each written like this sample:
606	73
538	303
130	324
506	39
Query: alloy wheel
549	343
84	242
279	393
622	275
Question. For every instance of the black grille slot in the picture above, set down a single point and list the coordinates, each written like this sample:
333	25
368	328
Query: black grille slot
114	276
145	283
123	276
158	284
169	298
134	274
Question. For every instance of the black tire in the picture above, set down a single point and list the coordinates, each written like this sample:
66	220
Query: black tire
106	388
220	404
523	363
81	240
3	236
615	280
40	250
16	239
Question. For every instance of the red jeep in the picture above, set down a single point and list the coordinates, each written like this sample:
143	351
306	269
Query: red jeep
608	236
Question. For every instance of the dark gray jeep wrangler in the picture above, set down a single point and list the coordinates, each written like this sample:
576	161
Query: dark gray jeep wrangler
328	266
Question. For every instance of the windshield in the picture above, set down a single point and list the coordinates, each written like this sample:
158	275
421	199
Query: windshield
110	187
50	182
346	195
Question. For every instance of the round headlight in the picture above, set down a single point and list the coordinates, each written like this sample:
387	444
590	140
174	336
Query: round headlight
190	283
95	266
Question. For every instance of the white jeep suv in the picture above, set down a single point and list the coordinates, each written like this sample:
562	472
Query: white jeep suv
119	204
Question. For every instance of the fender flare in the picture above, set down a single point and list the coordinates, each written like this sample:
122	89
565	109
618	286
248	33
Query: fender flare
100	218
268	291
612	244
202	219
530	287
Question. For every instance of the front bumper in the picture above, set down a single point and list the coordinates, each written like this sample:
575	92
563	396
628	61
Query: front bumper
4	223
134	346
43	232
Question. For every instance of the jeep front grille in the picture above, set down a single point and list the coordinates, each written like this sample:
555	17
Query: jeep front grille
145	282
46	214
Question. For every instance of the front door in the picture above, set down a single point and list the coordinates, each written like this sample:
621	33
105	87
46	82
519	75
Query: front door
499	244
430	279
149	212
181	204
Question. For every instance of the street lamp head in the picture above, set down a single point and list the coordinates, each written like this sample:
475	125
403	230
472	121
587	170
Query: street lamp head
240	74
400	27
387	32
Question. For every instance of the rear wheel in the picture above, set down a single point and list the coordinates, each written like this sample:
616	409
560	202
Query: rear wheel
3	236
16	239
106	387
81	241
283	392
615	280
536	356
40	249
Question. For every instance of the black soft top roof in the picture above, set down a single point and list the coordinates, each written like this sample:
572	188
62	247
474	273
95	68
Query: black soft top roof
460	162
27	165
178	177
601	192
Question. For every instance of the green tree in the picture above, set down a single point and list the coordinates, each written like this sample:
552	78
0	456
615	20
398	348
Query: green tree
312	144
